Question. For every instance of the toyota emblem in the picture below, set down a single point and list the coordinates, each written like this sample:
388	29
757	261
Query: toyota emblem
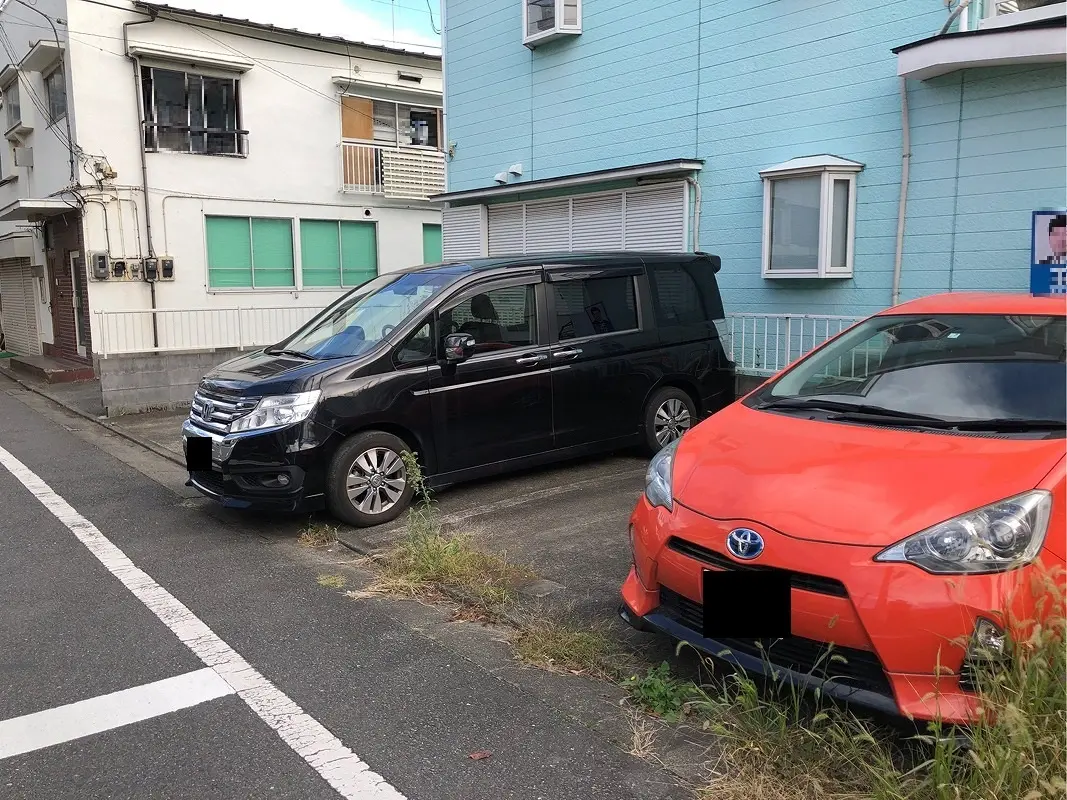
744	543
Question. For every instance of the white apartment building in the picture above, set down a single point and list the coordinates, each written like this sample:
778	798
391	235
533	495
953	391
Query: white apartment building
174	181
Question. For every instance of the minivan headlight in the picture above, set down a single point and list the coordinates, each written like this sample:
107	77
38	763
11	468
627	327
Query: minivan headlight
995	538
659	478
277	411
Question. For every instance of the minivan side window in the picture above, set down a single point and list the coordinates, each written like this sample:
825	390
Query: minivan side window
594	306
418	347
676	297
498	319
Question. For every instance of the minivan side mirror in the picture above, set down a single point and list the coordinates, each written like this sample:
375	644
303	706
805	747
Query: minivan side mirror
458	347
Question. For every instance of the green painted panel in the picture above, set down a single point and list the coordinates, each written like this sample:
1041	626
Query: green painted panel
432	252
229	252
359	252
320	253
272	252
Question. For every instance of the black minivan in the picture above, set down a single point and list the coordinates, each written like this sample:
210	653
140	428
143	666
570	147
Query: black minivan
478	367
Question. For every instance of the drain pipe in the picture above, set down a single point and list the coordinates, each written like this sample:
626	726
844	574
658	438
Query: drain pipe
905	172
144	158
953	16
696	212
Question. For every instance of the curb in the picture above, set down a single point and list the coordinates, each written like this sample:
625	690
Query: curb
145	443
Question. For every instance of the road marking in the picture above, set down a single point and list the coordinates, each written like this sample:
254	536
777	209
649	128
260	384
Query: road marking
326	754
98	714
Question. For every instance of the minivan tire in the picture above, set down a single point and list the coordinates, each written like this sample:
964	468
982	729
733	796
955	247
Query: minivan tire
672	409
376	457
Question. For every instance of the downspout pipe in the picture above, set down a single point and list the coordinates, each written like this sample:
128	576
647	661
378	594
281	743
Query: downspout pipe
144	157
954	16
696	212
905	173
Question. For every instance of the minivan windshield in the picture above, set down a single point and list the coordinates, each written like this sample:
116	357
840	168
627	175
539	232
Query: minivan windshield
358	321
967	371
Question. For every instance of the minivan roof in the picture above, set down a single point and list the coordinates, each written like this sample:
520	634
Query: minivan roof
605	259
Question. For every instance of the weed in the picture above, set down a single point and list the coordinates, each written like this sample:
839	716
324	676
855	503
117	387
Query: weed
643	735
566	648
660	693
332	581
428	561
318	534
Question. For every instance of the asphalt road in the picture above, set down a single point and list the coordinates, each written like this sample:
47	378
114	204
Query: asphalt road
240	676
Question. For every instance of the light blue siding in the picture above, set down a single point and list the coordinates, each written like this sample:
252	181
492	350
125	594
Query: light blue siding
747	85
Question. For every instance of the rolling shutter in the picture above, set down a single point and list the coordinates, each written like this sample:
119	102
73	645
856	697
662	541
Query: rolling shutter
596	222
506	230
655	219
18	307
631	219
548	226
462	232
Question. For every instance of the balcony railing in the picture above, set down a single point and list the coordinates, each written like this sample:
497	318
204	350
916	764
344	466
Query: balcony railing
998	13
411	173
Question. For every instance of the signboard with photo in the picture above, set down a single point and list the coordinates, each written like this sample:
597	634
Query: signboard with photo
1048	253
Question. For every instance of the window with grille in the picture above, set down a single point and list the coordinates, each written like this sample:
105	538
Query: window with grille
189	113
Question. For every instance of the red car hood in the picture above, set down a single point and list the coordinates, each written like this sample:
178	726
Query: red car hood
843	483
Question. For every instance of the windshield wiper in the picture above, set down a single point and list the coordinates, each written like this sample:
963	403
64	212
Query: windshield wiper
297	353
1011	424
874	412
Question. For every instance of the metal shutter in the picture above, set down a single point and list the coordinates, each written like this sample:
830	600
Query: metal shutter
548	226
18	304
462	233
596	222
655	218
506	225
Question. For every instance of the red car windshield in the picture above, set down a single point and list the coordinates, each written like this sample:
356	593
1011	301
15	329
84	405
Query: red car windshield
955	367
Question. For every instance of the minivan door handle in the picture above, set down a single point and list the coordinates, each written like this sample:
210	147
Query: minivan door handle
526	361
570	352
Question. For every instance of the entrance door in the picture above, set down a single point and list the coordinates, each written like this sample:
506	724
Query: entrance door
81	313
497	405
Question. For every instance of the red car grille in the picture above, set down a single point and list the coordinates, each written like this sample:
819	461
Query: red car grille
858	668
798	580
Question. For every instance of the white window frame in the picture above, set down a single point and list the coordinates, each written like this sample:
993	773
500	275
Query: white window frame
828	169
558	29
57	69
9	123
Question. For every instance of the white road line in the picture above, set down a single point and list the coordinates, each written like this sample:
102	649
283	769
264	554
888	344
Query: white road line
341	768
98	714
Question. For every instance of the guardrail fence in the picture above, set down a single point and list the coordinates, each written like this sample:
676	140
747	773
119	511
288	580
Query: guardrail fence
764	344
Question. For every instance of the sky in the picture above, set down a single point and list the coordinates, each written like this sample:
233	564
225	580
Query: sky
403	22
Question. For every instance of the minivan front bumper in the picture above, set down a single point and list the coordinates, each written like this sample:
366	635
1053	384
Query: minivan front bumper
273	470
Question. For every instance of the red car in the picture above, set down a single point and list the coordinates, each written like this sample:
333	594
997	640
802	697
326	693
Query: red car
904	482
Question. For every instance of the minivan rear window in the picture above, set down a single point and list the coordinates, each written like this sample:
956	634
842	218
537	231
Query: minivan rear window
957	367
684	294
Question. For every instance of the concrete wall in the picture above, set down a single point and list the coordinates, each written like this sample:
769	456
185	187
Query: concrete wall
746	86
148	381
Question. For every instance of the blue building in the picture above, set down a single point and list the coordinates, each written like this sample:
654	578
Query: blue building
840	156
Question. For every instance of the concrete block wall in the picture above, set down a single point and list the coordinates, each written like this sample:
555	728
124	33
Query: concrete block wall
148	381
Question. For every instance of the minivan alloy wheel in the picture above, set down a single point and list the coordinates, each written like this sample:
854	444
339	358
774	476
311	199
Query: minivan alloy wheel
377	480
672	420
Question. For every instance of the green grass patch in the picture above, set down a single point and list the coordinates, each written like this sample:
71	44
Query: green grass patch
332	581
567	648
318	534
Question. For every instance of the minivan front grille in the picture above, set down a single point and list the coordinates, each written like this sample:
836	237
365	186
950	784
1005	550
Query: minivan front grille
215	411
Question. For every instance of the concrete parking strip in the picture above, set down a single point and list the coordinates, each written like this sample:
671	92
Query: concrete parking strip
323	751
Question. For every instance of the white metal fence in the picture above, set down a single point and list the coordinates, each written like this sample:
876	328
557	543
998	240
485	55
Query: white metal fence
392	171
764	344
761	344
126	332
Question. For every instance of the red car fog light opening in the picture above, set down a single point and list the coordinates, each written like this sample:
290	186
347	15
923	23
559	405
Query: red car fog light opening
987	649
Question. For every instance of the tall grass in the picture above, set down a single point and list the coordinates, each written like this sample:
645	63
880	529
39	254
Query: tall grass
777	743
